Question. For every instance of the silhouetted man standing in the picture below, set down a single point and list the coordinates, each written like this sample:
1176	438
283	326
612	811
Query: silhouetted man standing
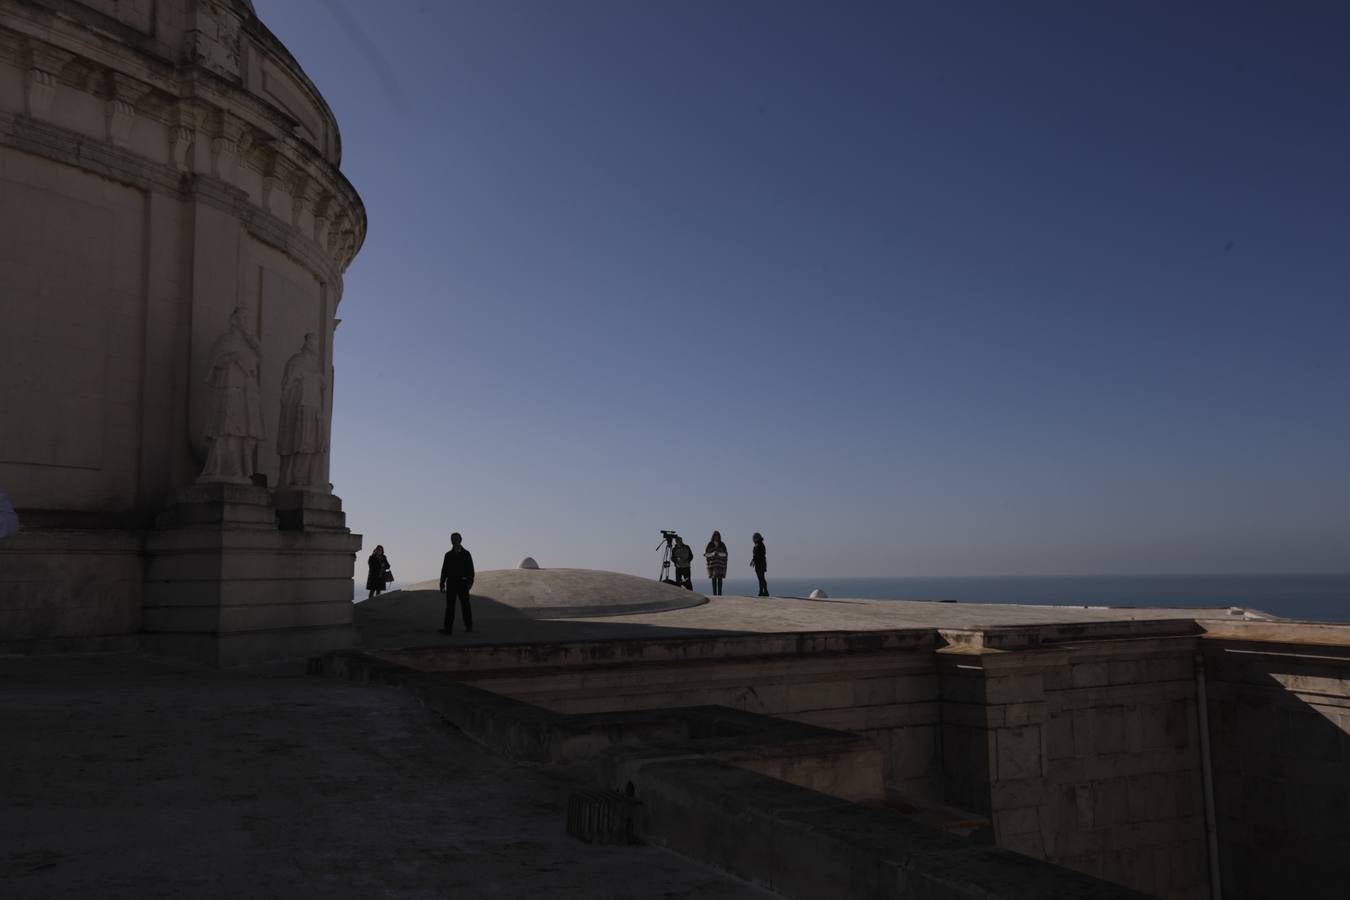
456	579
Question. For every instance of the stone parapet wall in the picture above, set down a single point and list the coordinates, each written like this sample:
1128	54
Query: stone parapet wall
1083	753
771	801
883	685
1079	744
1279	719
1082	744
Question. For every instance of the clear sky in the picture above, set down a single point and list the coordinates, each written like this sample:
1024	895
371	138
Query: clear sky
938	288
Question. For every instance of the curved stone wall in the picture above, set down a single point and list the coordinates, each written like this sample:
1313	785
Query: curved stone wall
161	164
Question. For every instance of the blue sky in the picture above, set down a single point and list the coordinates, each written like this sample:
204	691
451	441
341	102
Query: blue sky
938	288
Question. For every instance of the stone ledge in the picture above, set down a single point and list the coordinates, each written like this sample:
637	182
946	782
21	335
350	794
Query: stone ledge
99	643
1023	637
1320	634
720	649
249	647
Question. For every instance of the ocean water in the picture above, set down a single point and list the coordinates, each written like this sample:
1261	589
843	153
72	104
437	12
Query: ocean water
1323	598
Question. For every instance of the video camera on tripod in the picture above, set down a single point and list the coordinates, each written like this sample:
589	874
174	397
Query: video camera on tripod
667	542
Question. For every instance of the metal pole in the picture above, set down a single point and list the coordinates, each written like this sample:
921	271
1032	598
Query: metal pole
1211	832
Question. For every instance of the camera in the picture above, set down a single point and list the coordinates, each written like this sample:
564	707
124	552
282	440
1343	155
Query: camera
667	542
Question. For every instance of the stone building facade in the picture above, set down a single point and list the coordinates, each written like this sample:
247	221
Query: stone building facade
163	163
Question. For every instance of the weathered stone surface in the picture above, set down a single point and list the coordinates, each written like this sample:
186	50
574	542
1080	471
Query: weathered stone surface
539	594
1280	741
176	781
153	181
703	792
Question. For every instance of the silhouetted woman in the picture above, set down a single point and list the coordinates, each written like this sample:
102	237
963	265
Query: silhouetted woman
759	561
716	555
380	573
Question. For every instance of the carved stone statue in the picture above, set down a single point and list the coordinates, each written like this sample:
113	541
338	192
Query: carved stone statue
302	439
235	422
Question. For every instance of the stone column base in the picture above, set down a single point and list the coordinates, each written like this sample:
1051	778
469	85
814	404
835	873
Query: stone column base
226	586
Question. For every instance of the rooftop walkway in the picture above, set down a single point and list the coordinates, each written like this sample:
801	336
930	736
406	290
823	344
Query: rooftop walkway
129	777
412	617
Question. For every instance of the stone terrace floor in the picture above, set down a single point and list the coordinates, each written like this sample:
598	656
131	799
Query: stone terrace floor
123	776
411	619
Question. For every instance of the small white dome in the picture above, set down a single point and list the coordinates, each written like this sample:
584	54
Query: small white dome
528	563
818	594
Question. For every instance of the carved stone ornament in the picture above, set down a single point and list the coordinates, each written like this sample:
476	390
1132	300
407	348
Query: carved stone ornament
122	94
44	65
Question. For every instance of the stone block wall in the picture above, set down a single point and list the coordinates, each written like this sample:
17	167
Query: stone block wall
890	697
1082	753
1081	744
770	801
1279	718
70	590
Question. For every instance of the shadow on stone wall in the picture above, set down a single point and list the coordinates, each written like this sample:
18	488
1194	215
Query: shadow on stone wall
1279	719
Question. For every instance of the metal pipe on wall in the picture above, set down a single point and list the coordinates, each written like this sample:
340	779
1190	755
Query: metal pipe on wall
1207	777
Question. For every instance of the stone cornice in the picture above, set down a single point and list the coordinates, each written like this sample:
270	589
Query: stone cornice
127	71
101	158
277	52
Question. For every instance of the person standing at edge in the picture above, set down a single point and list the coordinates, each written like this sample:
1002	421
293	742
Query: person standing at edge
380	573
716	555
456	579
682	555
759	561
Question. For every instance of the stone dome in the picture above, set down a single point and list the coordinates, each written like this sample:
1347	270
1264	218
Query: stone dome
528	563
540	594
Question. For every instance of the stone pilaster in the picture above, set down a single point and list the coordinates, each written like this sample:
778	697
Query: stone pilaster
323	219
298	185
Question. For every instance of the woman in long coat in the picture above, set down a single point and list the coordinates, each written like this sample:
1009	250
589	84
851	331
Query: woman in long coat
716	555
380	573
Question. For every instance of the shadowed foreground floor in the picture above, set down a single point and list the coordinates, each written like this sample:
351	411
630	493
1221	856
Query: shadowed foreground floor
126	777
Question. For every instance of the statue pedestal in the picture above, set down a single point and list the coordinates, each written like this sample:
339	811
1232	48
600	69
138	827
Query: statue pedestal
309	511
227	584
